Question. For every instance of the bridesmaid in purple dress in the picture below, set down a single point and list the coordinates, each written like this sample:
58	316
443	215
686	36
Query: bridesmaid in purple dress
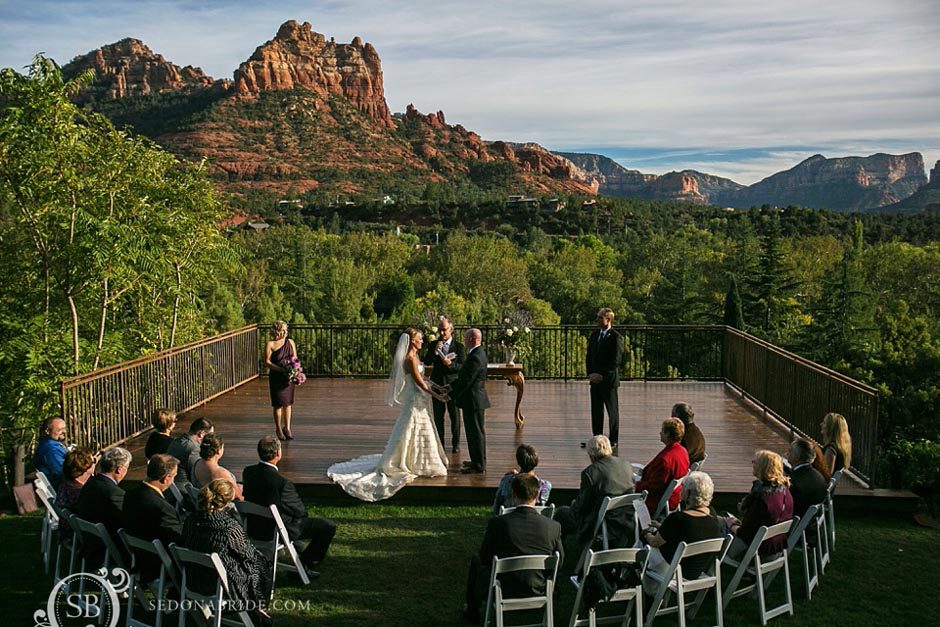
277	353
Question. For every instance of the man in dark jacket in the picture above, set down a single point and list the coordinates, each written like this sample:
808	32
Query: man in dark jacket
606	476
692	439
445	371
264	485
807	485
147	514
604	357
524	531
102	499
186	447
469	390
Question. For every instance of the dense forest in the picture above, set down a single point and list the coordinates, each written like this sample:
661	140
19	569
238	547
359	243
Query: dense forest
110	247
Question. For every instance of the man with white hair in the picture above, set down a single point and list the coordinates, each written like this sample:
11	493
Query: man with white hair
606	476
102	499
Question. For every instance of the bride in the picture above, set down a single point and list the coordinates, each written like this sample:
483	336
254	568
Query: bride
414	448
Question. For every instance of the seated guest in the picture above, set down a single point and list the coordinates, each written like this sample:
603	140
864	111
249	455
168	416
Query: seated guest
264	485
207	467
693	524
521	532
527	458
692	440
163	421
212	529
838	448
186	447
670	463
50	451
78	468
147	515
807	485
606	476
102	499
768	503
819	462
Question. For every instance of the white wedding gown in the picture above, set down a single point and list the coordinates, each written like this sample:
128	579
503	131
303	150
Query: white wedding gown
413	450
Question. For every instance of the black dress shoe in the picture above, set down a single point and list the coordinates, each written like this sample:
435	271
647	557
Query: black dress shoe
466	463
455	449
473	469
584	445
312	574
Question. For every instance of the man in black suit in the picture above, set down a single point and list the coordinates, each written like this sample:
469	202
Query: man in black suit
606	476
147	514
264	485
524	531
604	357
469	390
445	372
102	499
807	485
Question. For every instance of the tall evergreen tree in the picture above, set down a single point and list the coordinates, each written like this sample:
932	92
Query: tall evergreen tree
734	312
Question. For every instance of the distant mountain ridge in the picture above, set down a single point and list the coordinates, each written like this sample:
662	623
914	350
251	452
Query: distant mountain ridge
840	184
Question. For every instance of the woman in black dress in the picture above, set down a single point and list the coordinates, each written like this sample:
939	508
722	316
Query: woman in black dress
838	448
277	355
163	421
213	528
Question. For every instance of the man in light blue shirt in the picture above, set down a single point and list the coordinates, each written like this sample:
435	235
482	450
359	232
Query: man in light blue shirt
50	452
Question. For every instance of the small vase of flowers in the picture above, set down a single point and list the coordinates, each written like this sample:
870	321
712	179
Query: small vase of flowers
514	335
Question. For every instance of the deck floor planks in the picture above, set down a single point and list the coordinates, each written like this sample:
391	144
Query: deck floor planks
337	419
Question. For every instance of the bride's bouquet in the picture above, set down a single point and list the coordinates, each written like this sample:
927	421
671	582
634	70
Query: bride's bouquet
295	371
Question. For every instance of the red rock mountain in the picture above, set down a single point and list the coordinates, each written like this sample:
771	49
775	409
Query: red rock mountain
129	68
305	114
927	198
299	57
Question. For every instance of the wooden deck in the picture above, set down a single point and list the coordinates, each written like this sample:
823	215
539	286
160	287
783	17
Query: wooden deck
337	419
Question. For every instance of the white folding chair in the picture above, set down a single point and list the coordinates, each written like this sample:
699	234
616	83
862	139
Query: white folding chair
279	543
500	605
798	541
168	577
672	584
753	564
545	510
830	509
192	493
43	480
642	518
608	505
188	560
632	596
663	509
50	523
178	501
697	466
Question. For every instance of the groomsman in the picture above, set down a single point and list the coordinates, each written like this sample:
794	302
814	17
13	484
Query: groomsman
604	357
470	393
446	371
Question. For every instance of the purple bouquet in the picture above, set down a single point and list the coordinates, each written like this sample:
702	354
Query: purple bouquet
295	371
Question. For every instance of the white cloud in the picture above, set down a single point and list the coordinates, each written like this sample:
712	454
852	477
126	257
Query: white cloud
647	73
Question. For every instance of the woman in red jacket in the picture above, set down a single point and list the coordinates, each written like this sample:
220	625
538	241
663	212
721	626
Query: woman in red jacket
670	463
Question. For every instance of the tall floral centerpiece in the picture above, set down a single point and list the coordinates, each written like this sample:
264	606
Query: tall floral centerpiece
430	325
514	335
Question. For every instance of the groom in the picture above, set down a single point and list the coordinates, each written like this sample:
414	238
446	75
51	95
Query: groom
470	393
445	371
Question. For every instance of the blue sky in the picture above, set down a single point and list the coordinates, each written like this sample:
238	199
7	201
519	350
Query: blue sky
735	88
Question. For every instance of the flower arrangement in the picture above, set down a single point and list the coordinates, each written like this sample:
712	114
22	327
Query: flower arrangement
514	334
295	371
429	325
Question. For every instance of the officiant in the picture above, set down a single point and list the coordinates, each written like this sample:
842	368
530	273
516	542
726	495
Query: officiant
446	355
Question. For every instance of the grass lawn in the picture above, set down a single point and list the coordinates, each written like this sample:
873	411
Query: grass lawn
406	567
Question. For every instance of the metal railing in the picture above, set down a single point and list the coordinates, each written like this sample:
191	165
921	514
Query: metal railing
799	392
112	404
556	352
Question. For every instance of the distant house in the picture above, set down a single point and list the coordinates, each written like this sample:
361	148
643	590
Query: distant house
589	202
518	202
385	200
553	204
286	204
258	226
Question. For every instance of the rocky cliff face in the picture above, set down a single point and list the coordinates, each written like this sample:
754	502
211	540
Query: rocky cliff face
299	57
927	198
685	186
129	68
935	175
842	184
